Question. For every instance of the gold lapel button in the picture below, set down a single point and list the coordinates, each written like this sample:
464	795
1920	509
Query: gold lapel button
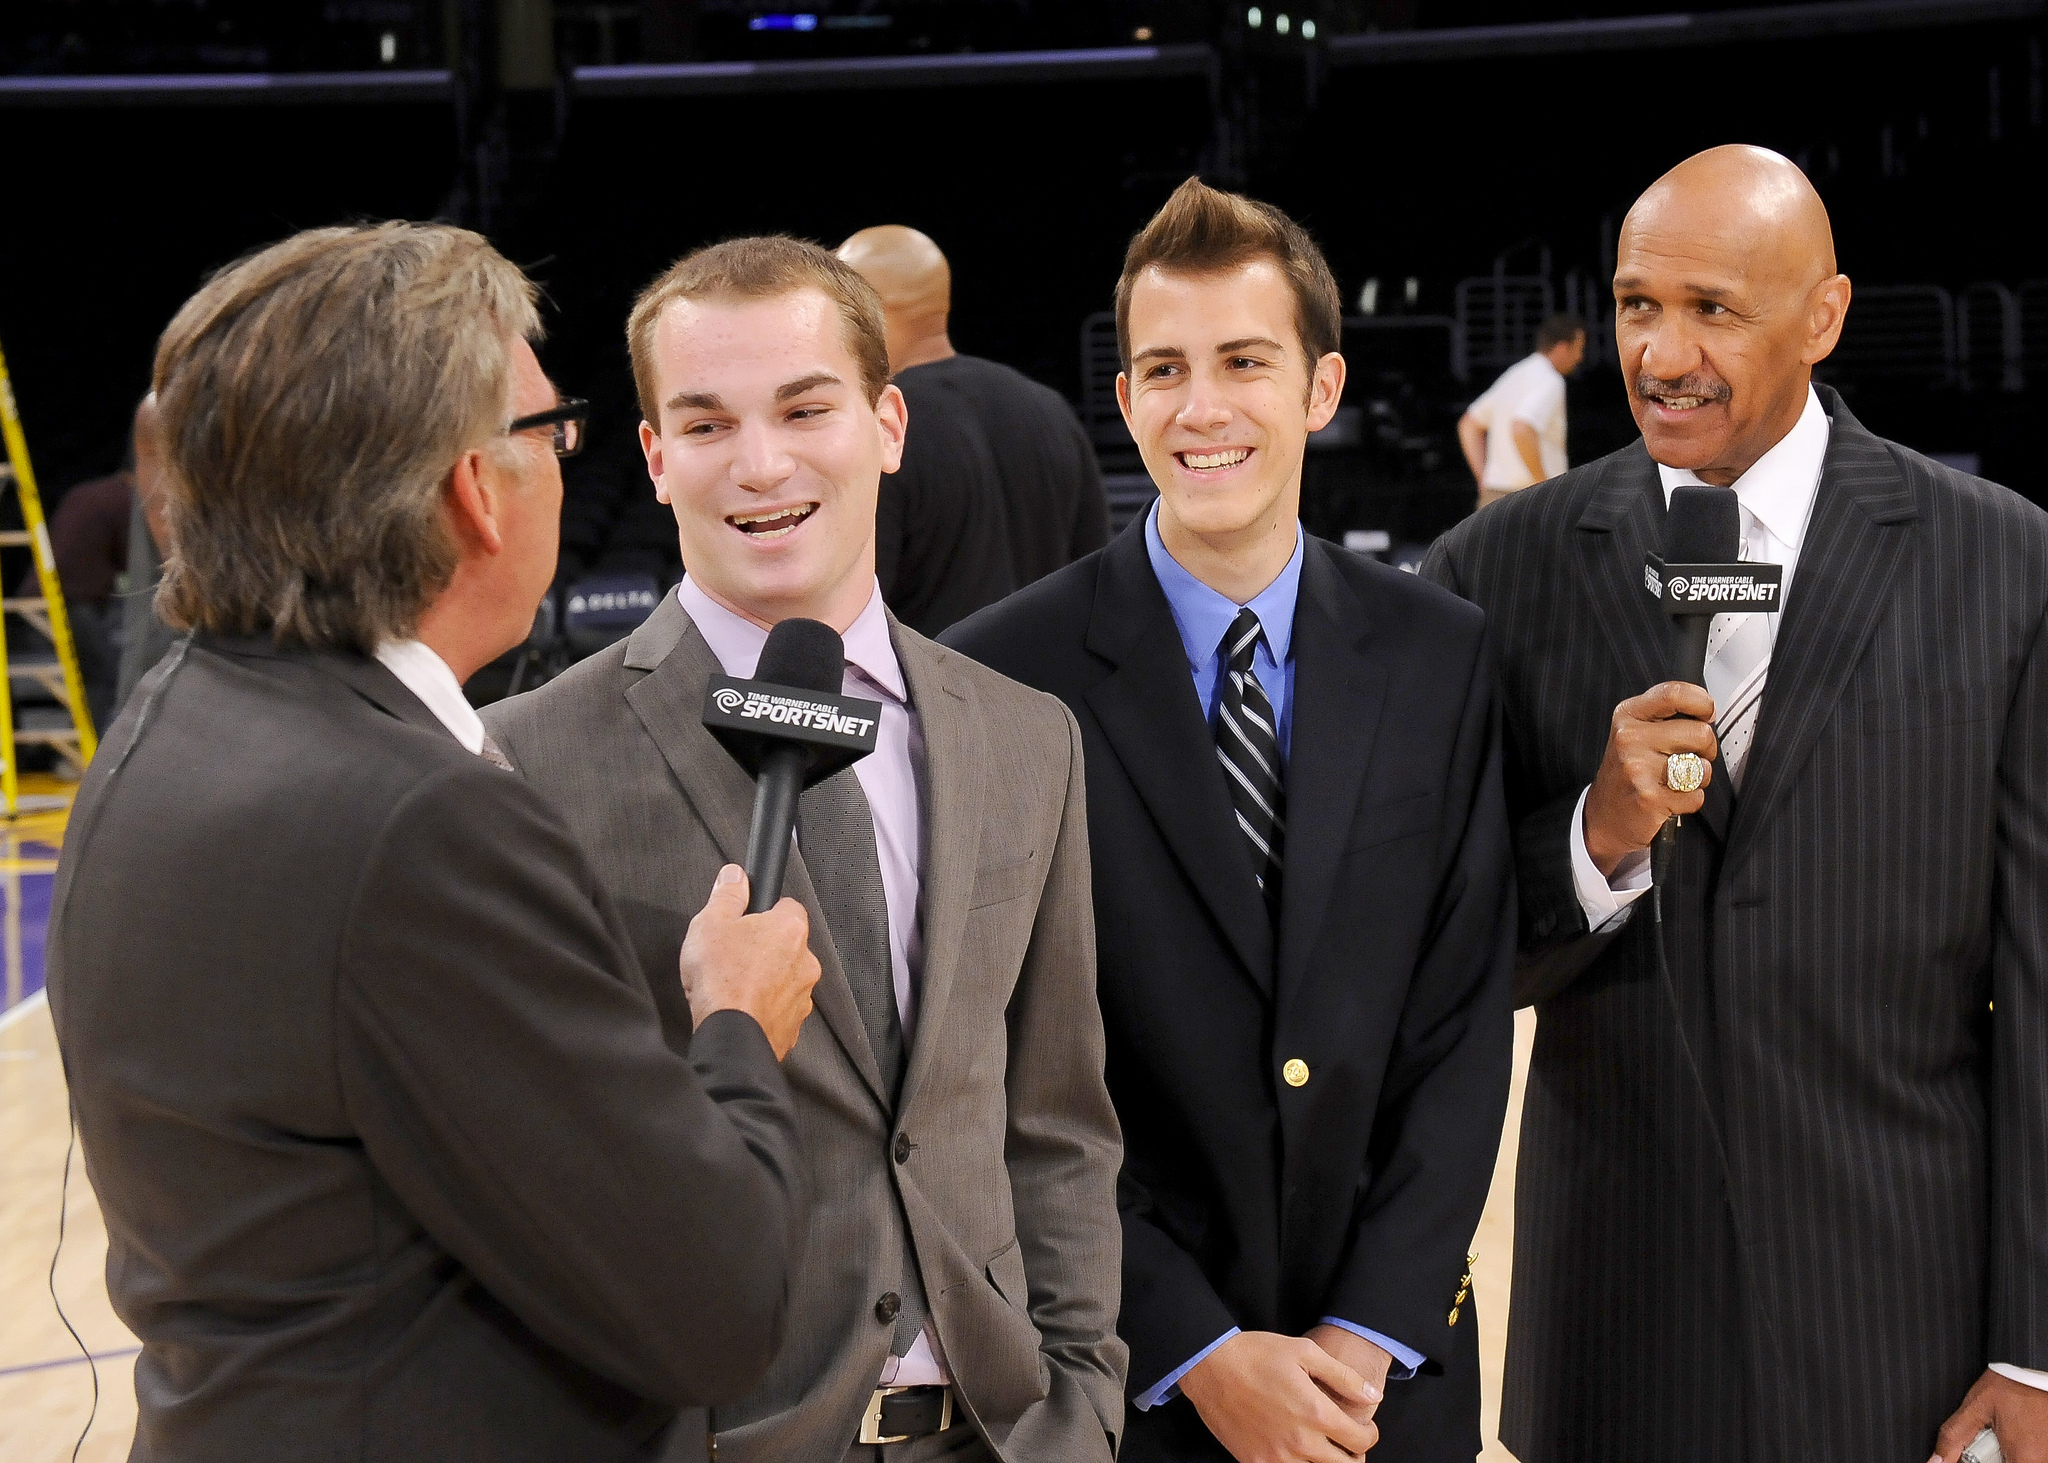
1295	1072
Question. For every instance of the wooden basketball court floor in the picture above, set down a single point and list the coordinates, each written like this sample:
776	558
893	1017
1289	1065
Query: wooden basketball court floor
46	1383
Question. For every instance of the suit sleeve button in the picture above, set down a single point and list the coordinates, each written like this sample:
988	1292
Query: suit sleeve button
1295	1072
903	1147
887	1307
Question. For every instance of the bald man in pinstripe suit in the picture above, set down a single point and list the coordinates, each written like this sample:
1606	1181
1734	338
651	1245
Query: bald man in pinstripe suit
1783	1194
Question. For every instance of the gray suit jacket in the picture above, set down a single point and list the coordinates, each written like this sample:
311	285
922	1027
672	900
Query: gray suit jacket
395	1162
1008	1182
1787	1198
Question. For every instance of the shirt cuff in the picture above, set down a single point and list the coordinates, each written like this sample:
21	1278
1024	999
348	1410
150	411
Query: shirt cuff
1169	1385
1606	902
1407	1361
2026	1376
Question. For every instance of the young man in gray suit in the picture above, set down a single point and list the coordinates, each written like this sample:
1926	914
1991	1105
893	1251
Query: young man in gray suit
395	1161
959	1288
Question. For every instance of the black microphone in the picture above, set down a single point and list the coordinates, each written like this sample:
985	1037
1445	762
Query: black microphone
790	728
1703	526
1699	576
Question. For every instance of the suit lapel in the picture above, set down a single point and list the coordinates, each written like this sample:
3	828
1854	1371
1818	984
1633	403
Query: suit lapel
1622	522
1858	536
669	700
1152	718
955	771
1339	692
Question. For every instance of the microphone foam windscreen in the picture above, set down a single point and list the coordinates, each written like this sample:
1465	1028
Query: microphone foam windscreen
805	655
1702	526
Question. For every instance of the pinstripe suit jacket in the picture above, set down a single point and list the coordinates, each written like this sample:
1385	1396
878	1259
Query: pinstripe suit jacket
1788	1201
1009	1187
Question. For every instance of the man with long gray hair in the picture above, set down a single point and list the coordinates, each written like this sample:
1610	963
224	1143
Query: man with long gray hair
395	1161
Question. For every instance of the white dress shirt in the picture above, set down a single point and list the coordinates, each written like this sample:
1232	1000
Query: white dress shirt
1777	496
427	676
892	780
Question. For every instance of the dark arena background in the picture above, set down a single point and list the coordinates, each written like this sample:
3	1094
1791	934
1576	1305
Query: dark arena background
1464	163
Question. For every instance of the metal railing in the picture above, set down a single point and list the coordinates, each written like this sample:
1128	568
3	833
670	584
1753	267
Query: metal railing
2032	299
1898	335
1988	339
1497	317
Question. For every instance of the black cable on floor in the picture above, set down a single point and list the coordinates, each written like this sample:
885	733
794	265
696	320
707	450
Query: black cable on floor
63	1208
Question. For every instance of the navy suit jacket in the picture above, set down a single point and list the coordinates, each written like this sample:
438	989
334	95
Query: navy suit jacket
1247	1201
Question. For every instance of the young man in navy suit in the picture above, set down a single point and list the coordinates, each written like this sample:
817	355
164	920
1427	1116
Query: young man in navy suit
1303	903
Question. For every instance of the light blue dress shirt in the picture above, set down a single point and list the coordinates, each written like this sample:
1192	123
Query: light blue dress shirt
1203	617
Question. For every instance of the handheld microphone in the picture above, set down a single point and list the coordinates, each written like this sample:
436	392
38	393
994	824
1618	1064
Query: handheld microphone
1699	576
790	728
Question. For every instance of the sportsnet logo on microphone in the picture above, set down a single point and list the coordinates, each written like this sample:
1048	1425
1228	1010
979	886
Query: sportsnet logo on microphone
742	711
792	709
1713	589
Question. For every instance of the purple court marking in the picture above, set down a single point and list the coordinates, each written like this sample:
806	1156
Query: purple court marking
35	928
43	1366
35	925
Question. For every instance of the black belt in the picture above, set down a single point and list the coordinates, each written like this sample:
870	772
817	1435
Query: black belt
901	1414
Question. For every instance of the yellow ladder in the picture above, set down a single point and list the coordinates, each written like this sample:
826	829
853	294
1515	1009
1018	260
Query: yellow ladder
45	612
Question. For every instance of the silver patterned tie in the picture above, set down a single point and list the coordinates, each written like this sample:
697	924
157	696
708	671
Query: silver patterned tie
494	754
1738	661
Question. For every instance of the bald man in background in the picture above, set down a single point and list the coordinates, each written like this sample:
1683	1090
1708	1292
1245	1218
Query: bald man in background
1783	1195
144	635
999	484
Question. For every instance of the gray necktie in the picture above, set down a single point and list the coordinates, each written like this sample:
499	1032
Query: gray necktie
494	754
836	831
836	834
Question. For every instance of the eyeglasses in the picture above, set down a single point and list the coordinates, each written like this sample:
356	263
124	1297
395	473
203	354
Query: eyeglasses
569	418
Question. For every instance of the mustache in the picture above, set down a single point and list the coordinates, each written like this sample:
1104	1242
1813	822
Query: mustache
1686	385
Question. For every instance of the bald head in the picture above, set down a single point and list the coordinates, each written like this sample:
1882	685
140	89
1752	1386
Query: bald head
149	471
911	275
143	429
1726	295
1751	201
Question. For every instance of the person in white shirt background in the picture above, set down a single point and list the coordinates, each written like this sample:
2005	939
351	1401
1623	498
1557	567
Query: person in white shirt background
1513	435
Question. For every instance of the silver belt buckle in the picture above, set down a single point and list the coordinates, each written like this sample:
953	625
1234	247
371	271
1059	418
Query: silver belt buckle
871	1420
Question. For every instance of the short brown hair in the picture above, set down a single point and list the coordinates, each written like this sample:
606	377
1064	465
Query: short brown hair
1557	330
1203	230
761	268
312	399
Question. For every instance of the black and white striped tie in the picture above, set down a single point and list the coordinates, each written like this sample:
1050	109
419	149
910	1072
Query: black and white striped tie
1249	748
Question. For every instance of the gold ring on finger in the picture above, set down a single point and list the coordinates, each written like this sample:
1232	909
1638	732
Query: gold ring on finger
1684	772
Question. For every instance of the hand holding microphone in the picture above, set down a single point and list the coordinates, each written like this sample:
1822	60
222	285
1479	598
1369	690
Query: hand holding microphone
757	963
749	948
1632	797
1648	777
